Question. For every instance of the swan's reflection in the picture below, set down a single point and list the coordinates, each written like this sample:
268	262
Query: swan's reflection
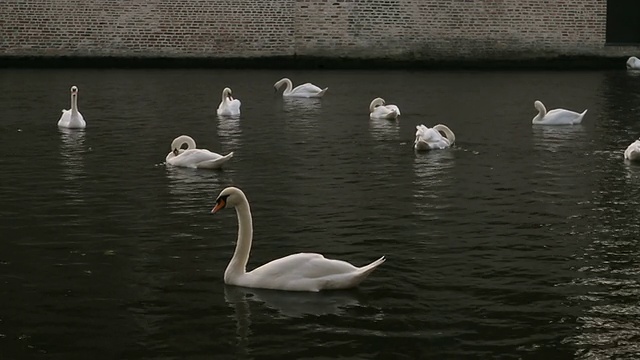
554	138
432	170
290	303
187	186
229	133
72	149
301	108
384	130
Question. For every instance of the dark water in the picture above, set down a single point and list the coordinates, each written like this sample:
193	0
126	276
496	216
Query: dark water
520	242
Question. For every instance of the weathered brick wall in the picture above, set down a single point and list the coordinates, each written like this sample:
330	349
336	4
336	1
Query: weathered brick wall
392	29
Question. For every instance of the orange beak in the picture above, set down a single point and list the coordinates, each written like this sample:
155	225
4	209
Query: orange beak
220	204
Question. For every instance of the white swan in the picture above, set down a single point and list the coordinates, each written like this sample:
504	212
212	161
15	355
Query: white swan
72	118
228	105
378	110
307	90
633	63
431	138
297	272
193	157
633	151
556	116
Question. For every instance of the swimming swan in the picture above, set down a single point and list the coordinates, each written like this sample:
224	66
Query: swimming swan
431	138
296	272
378	110
556	116
633	151
72	118
307	90
192	157
633	63
228	105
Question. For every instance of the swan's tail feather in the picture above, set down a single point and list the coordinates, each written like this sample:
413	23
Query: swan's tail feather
215	164
579	119
365	270
322	92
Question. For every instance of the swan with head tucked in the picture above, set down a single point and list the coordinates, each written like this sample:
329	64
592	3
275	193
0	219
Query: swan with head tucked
556	116
632	153
228	105
307	90
192	157
297	272
72	118
378	110
633	63
432	138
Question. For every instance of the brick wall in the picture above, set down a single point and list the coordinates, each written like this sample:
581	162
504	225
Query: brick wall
389	29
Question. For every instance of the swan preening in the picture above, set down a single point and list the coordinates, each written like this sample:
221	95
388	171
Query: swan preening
192	157
633	63
632	153
228	105
72	118
297	272
378	110
432	138
307	90
556	116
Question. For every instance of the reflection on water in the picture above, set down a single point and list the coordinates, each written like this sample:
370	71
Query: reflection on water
556	138
301	108
384	130
293	304
229	133
188	186
72	150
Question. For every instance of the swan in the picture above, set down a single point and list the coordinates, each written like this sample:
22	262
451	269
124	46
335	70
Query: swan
192	157
72	118
307	90
296	272
228	105
633	151
556	116
431	138
633	63
379	110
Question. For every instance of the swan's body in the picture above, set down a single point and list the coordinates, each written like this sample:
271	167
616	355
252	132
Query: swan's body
633	63
556	116
193	157
228	105
432	138
72	118
297	272
633	151
378	110
307	90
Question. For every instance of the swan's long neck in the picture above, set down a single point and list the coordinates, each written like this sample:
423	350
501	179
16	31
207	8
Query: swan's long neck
288	83
542	111
451	137
74	103
238	263
225	95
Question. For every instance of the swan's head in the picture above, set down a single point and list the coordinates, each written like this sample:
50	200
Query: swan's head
231	196
227	93
74	90
375	103
631	63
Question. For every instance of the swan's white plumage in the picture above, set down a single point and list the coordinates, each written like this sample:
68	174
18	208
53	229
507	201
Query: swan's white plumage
193	157
433	138
72	118
228	105
379	110
632	153
306	90
633	63
297	272
556	116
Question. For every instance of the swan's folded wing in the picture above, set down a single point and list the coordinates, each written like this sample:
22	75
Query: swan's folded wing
192	157
215	163
302	266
